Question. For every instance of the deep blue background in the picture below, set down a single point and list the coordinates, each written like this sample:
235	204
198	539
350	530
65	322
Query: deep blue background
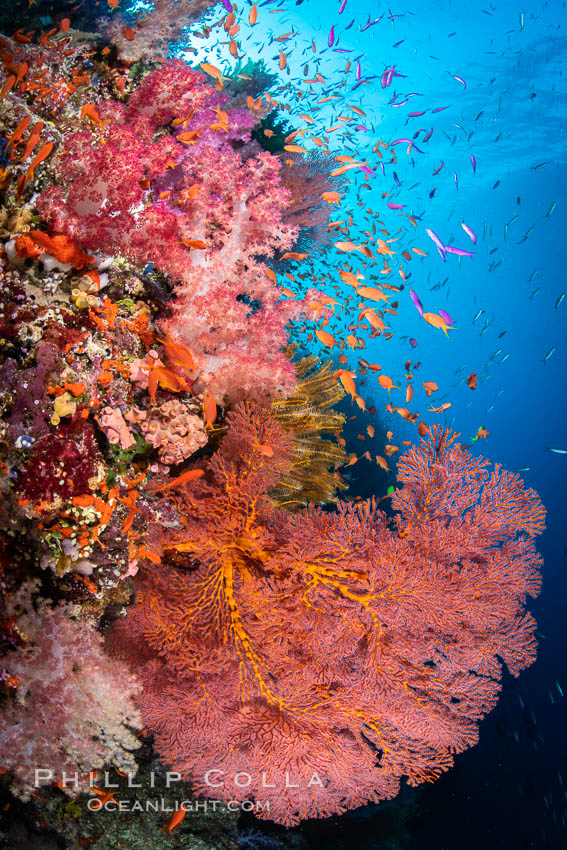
507	792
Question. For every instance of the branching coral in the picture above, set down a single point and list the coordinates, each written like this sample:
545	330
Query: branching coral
323	656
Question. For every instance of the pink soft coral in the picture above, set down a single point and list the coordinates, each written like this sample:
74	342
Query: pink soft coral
73	710
111	196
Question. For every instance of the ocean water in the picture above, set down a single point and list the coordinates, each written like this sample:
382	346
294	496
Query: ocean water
510	791
508	111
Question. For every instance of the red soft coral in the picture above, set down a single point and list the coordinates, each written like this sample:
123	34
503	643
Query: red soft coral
155	199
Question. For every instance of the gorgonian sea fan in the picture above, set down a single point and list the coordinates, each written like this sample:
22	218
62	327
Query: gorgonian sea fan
311	661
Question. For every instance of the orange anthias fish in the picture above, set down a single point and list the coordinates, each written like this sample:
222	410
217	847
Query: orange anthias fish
189	475
177	816
346	379
42	154
325	337
438	322
373	318
167	379
212	71
445	406
209	409
7	85
194	244
264	449
253	16
386	382
18	132
32	141
471	381
89	111
373	292
178	354
430	387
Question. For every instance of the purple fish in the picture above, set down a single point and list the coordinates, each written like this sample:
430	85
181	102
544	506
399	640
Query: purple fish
470	233
381	164
458	251
444	315
358	70
456	179
413	342
342	7
416	114
407	142
367	171
227	5
350	25
370	23
362	127
459	80
440	108
426	138
331	36
396	179
401	103
439	245
473	160
416	302
393	206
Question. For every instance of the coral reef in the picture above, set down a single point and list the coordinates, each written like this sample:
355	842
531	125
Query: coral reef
173	553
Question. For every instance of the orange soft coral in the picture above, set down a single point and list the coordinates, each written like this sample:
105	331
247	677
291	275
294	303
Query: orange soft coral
62	248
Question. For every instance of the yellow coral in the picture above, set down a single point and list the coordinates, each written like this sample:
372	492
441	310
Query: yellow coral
64	405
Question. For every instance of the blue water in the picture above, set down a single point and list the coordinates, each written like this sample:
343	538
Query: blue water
507	792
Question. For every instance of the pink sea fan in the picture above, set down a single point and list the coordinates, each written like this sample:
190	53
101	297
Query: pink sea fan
311	661
163	23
